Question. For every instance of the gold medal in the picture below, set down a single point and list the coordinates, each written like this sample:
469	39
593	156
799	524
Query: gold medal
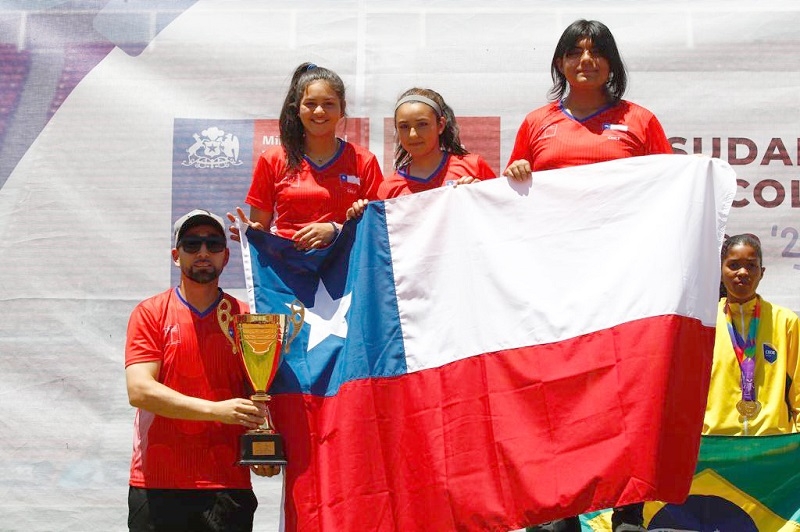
748	409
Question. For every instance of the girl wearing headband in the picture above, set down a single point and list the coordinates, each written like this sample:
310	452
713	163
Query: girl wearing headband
428	153
755	378
303	188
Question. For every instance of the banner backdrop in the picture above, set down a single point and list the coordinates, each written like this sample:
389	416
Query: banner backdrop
118	116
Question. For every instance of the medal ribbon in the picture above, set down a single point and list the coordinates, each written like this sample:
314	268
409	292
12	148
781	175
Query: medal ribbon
745	349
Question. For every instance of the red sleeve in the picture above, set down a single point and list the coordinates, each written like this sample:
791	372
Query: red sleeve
262	187
145	338
484	171
656	141
371	177
522	144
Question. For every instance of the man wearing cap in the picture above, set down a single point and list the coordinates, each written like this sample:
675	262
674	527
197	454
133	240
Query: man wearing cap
189	391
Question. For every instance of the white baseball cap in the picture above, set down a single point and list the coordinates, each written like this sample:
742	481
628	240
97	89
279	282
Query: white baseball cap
195	218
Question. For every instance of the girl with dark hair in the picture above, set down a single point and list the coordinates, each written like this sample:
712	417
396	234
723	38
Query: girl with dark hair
755	378
587	120
428	152
303	188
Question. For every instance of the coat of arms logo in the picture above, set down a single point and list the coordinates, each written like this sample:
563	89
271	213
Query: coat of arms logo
213	148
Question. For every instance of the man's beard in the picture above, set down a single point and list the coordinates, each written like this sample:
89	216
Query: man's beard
202	276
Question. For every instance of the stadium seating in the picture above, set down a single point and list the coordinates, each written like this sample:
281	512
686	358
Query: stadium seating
14	68
79	59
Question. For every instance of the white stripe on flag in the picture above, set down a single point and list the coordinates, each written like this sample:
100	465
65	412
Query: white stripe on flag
579	250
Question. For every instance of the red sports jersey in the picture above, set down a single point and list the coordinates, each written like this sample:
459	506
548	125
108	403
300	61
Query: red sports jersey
550	138
314	193
196	360
451	169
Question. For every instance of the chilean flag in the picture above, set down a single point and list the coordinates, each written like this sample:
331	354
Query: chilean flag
494	355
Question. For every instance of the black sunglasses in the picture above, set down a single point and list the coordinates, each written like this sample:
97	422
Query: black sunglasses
192	244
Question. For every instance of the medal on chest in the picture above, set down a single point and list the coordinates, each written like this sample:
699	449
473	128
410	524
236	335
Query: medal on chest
745	350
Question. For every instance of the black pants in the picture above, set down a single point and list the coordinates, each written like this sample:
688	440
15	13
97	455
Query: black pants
631	514
165	510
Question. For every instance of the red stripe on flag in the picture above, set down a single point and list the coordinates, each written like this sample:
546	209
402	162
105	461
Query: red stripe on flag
501	440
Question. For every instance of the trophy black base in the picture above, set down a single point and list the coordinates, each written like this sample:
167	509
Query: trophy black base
261	448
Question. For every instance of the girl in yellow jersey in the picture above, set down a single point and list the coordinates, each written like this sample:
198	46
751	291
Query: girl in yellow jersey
755	378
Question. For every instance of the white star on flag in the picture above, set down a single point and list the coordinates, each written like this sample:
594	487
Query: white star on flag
326	317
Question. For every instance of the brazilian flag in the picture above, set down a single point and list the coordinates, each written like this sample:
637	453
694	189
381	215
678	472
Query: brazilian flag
742	484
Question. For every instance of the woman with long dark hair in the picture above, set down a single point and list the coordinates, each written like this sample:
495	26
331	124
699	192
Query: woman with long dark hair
303	188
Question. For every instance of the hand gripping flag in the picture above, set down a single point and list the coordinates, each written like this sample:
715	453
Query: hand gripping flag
489	356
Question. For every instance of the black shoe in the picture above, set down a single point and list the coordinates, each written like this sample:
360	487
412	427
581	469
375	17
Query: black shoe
628	518
569	524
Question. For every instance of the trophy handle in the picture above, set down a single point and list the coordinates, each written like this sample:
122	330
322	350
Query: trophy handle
296	318
224	318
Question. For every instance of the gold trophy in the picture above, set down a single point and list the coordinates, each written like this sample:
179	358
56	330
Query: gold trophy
261	339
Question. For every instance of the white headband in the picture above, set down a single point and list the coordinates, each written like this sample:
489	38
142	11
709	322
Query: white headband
420	99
